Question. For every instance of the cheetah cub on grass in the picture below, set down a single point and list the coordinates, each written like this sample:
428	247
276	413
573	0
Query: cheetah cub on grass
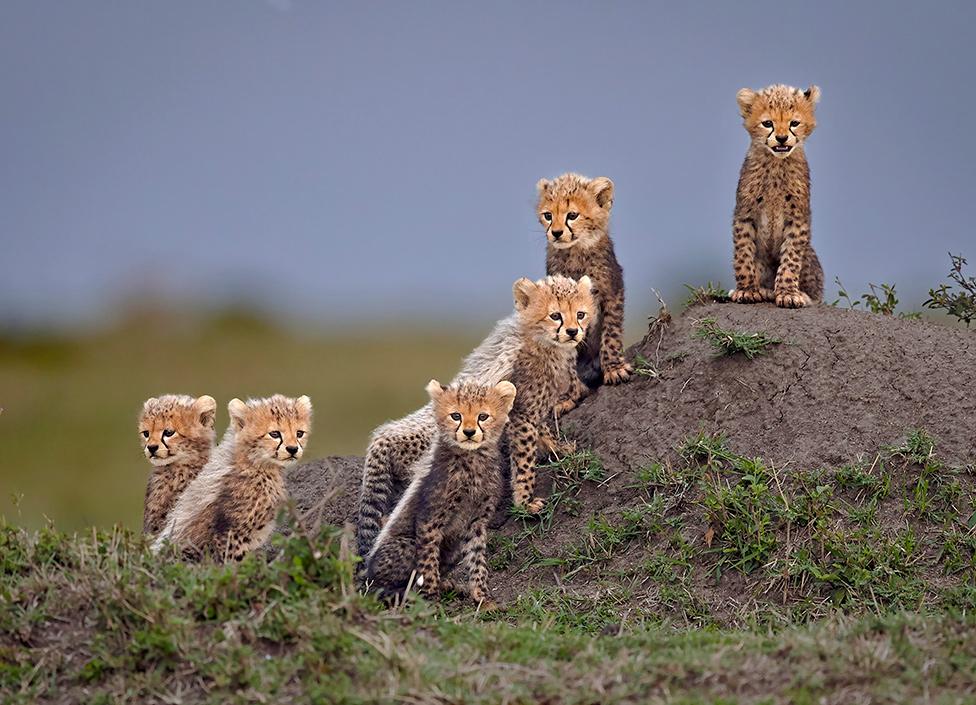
575	212
555	313
229	509
177	434
441	523
774	260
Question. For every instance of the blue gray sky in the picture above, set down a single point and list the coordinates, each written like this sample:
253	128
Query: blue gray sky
360	161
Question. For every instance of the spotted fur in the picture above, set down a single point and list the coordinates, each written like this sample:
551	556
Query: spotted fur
177	436
229	509
555	313
773	257
399	449
575	212
440	525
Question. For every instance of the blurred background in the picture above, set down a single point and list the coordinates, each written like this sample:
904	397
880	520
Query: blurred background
239	197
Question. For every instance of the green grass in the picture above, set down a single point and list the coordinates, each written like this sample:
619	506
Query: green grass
95	618
889	534
709	293
68	444
958	298
730	342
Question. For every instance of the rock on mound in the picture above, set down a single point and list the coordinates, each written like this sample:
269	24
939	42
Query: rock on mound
728	490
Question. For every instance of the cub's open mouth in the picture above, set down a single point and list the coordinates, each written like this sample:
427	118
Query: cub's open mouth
782	148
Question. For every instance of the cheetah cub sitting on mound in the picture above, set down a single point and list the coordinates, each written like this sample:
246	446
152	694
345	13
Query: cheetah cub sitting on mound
555	313
229	509
177	433
441	523
399	449
575	211
774	260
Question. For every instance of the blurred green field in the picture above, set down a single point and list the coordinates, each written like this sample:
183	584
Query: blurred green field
69	451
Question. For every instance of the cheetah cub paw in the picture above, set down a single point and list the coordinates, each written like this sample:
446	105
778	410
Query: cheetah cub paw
619	374
535	505
557	448
564	406
750	296
792	299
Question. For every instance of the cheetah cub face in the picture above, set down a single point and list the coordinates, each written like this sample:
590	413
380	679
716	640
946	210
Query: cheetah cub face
574	210
778	118
273	430
175	424
556	310
470	415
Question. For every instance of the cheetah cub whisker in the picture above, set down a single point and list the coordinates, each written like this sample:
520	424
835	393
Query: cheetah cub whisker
177	436
440	525
774	260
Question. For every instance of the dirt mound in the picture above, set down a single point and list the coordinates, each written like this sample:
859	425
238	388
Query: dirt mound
335	480
841	384
664	514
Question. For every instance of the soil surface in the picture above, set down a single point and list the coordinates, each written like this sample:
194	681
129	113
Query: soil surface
840	387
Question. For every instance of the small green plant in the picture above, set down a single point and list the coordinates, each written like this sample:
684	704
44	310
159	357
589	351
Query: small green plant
881	299
959	298
747	514
645	368
701	295
730	342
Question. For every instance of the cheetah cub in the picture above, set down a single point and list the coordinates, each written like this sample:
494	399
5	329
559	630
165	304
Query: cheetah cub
774	260
177	434
399	449
441	523
229	510
575	212
556	313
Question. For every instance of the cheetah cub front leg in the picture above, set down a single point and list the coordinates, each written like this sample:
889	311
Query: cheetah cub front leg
616	370
524	444
792	253
748	289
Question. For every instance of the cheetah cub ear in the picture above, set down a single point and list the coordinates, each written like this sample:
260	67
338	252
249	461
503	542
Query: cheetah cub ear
812	94
542	186
523	290
585	284
435	389
304	405
206	409
602	189
506	390
238	411
745	98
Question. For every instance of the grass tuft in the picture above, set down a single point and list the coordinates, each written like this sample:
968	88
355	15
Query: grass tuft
730	342
709	293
